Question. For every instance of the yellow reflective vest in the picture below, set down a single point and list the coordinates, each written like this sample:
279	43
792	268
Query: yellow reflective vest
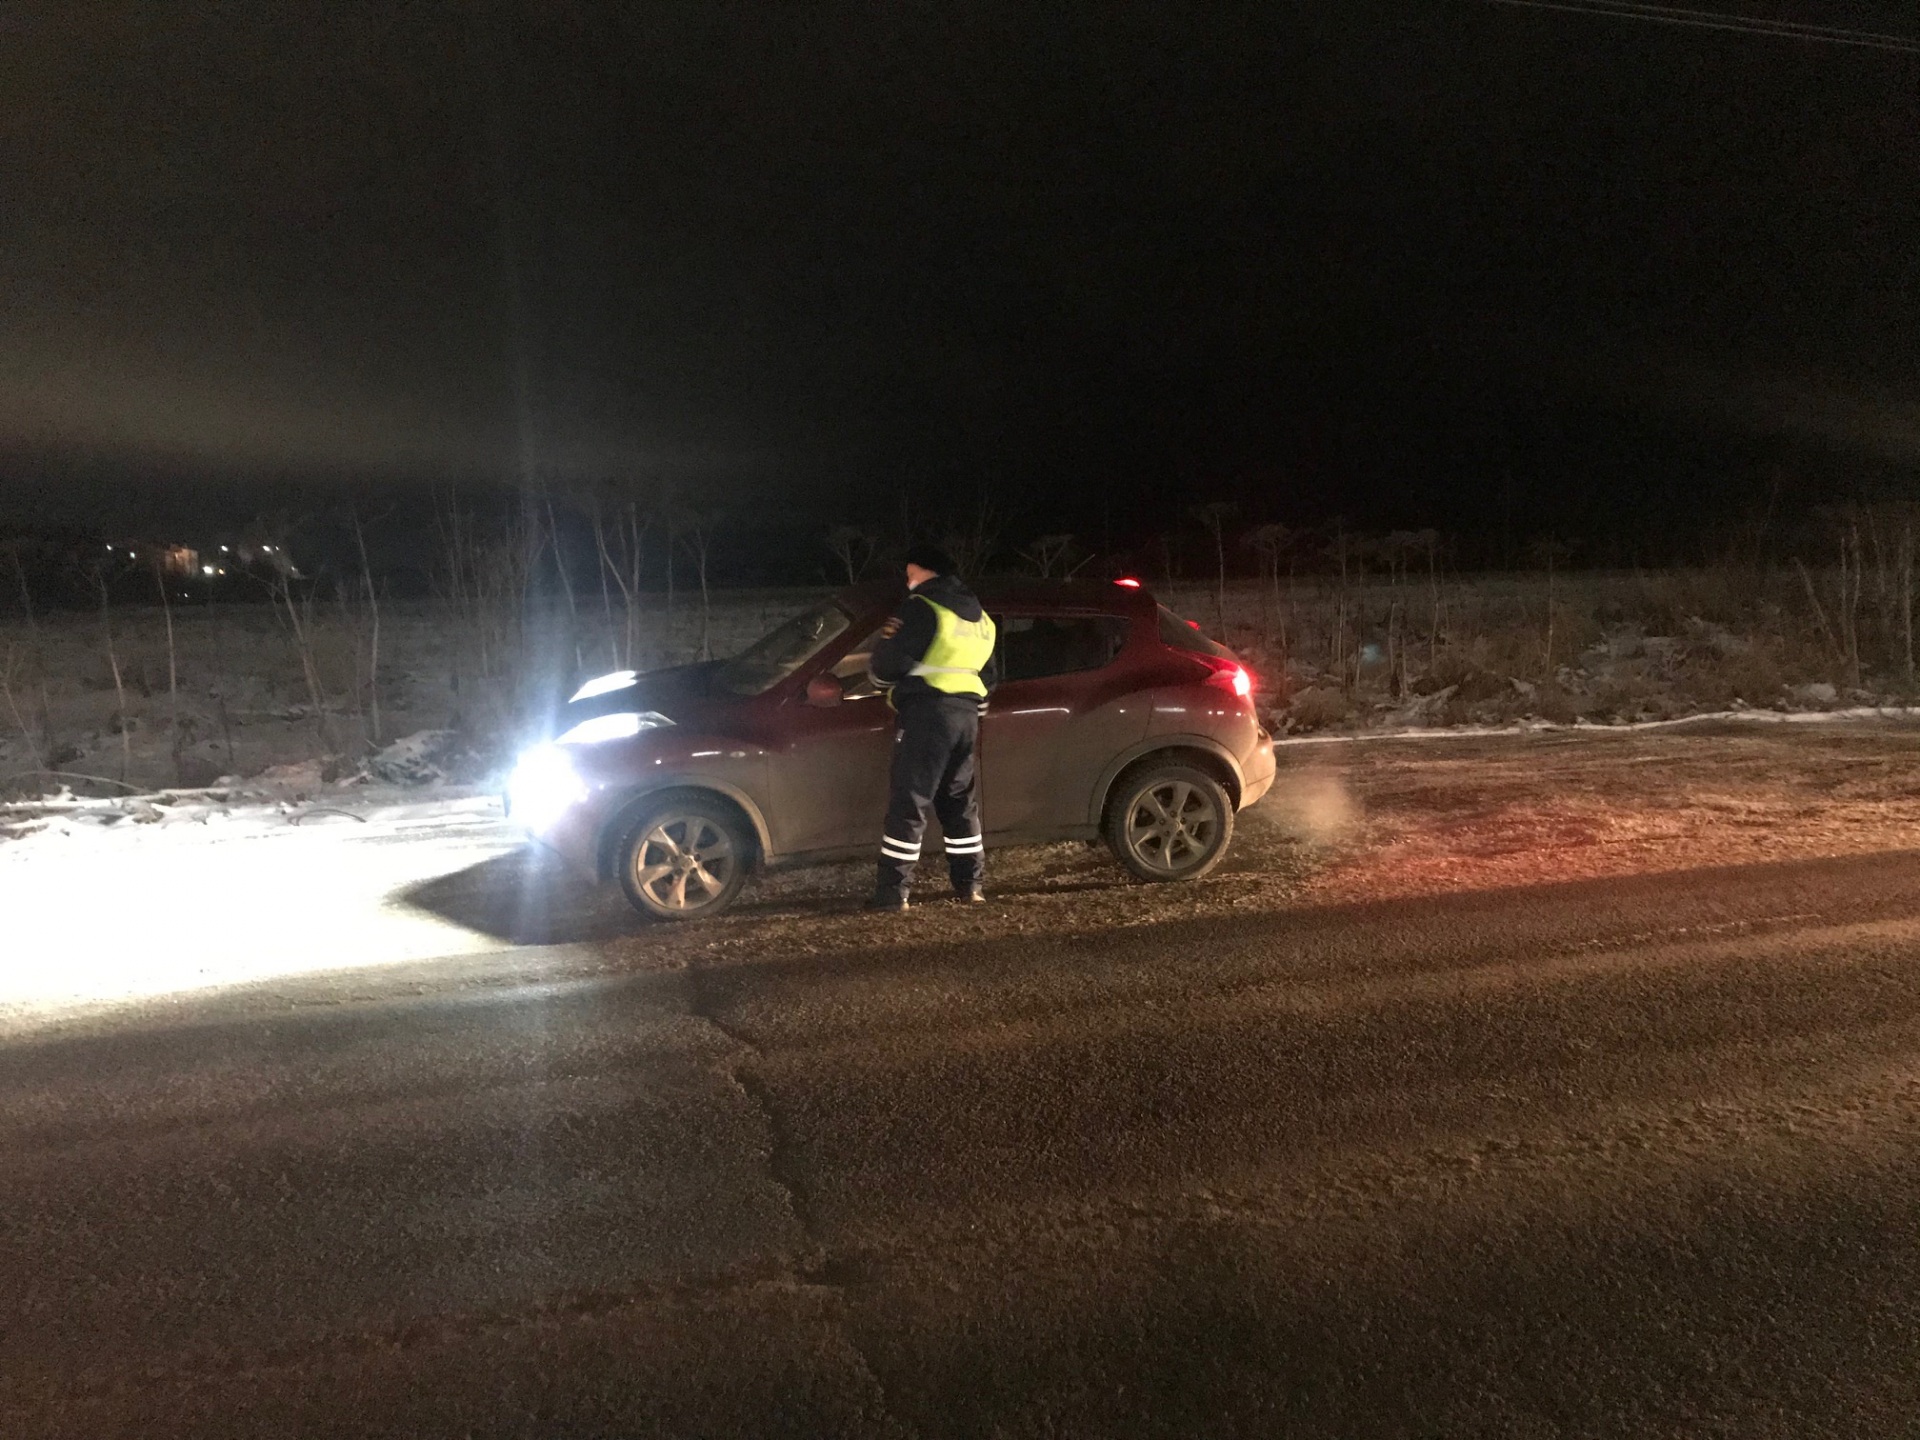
959	652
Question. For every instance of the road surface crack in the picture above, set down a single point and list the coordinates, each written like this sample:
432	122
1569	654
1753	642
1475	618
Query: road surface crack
781	1150
814	1266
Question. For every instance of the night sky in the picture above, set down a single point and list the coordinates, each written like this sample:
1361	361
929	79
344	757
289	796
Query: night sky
1445	263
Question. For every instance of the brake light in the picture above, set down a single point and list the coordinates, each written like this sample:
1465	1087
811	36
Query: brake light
1127	582
1229	675
1193	624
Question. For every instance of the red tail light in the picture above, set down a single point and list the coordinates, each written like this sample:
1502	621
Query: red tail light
1229	675
1127	582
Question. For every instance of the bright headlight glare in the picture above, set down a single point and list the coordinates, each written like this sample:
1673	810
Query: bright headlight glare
606	684
543	787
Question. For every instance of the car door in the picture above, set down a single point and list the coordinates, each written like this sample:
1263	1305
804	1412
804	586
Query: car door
1062	707
829	778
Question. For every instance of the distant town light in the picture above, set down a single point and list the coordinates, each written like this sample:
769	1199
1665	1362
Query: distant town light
206	569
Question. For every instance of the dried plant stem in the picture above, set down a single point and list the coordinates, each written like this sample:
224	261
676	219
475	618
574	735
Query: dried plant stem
13	706
173	667
113	664
1819	611
373	640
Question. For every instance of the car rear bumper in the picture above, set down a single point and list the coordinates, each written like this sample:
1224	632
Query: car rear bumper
1257	771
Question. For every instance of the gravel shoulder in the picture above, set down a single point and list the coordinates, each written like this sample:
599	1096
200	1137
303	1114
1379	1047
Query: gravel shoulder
318	897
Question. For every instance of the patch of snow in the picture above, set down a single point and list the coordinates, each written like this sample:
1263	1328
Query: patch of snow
1587	727
184	907
306	775
416	759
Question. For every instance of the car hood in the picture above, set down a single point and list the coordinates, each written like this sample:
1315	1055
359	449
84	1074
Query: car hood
679	692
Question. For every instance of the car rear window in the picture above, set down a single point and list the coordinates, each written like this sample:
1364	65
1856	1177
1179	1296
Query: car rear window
1179	634
1030	647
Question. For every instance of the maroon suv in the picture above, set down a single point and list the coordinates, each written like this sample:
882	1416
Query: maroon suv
1109	717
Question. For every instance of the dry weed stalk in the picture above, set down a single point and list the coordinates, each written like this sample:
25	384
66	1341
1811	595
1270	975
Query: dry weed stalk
373	639
697	528
622	548
124	721
483	573
853	546
173	664
35	748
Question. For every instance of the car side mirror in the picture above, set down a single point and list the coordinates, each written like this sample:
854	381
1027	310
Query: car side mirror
825	689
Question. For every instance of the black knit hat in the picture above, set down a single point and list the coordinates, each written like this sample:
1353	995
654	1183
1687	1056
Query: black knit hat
931	557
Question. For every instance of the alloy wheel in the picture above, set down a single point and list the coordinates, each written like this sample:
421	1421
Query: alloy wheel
1171	826
684	863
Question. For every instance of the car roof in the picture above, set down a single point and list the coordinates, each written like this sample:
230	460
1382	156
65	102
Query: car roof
1067	594
1018	594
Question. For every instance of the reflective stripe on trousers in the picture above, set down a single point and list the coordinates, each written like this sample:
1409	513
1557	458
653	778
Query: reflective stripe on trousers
933	769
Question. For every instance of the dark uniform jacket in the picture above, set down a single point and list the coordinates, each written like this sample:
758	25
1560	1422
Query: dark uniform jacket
906	636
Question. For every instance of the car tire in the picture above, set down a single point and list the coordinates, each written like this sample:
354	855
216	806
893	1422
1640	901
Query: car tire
685	858
1169	821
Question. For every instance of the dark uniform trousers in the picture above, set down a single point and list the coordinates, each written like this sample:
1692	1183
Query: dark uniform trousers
934	739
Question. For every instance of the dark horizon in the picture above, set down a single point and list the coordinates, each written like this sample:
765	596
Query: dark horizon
1495	272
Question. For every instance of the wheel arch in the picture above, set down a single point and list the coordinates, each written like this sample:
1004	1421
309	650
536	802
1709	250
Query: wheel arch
635	802
1196	750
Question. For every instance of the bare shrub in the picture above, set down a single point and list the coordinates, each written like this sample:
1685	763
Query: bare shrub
1316	707
853	546
1717	681
1556	706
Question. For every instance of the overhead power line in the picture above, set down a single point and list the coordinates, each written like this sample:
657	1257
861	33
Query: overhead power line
1720	20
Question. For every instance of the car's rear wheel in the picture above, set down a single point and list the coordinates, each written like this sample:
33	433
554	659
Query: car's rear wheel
1169	821
685	859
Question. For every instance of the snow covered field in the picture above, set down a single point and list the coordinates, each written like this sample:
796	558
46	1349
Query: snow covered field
232	697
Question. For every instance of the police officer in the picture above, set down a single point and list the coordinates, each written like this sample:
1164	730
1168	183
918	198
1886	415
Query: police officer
930	656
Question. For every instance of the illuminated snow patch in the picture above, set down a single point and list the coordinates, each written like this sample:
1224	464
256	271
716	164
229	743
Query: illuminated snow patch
95	918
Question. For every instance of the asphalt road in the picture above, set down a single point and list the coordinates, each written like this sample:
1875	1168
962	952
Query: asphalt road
1620	1157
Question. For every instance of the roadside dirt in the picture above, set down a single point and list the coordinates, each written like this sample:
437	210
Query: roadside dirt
1536	809
1378	819
421	882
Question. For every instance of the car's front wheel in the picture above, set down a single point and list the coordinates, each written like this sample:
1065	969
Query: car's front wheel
685	859
1169	821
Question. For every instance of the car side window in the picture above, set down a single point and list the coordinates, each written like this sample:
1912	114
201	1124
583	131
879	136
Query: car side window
1031	647
851	669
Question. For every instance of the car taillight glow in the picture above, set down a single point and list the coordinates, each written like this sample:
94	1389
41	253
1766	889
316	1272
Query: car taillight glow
1231	676
1127	582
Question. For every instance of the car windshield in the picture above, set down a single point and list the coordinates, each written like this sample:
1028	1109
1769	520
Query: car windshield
782	650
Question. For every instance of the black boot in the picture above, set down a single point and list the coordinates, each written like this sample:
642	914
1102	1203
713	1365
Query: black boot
971	895
893	901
